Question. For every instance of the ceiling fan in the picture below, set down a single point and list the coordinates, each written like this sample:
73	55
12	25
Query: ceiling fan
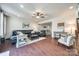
38	14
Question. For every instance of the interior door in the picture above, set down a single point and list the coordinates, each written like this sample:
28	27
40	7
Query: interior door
77	36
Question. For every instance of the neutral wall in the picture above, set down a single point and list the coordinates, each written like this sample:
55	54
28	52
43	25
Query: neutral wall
34	25
69	19
14	23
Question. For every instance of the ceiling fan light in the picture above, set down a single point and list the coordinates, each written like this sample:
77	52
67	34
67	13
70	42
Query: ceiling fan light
38	14
37	17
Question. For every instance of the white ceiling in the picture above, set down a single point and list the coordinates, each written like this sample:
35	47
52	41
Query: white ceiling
51	9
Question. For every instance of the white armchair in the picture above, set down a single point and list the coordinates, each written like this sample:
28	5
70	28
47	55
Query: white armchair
67	40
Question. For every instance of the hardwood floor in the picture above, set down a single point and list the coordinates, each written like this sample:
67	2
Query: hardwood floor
5	46
77	44
46	47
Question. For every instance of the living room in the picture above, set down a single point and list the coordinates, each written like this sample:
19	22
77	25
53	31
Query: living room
37	24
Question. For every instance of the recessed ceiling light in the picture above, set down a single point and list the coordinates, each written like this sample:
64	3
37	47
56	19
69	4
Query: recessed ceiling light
21	6
71	7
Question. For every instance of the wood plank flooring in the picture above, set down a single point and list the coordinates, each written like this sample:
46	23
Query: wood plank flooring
46	47
5	46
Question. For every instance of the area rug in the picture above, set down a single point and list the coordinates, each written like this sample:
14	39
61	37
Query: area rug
6	53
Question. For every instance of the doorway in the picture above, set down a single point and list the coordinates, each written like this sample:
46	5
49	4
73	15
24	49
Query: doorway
47	27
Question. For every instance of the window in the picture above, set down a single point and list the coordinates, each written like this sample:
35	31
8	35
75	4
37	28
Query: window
2	24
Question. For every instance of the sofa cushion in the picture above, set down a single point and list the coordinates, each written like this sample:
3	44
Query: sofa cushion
20	33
